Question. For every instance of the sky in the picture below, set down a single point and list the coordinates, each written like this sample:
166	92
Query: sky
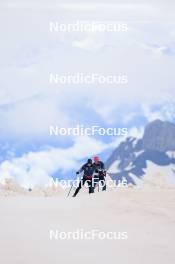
29	104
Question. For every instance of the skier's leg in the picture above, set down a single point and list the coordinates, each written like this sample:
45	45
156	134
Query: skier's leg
91	189
82	182
95	181
104	184
102	181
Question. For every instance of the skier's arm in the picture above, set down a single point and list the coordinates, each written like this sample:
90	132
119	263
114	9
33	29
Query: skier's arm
102	166
103	169
80	170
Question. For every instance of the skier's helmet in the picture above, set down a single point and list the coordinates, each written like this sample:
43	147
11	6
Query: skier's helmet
96	159
89	161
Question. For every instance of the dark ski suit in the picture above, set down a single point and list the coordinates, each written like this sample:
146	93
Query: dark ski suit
88	171
100	174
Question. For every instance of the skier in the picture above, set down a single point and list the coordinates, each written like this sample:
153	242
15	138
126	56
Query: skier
100	173
88	170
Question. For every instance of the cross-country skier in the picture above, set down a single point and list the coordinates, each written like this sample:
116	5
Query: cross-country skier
100	173
88	170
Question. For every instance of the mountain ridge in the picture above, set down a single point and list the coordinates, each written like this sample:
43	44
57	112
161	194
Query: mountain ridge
131	158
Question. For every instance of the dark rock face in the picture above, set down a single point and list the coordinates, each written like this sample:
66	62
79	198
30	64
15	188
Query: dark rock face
159	136
133	154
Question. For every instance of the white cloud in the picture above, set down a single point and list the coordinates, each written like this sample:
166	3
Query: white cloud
90	42
29	53
165	111
136	132
32	117
158	50
129	117
36	168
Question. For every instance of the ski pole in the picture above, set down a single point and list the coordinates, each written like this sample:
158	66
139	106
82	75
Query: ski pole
70	190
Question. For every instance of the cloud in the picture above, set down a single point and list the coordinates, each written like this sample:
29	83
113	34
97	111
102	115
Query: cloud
130	117
37	168
29	52
136	132
164	111
159	49
32	117
90	43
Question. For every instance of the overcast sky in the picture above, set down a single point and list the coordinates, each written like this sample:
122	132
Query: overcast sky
30	52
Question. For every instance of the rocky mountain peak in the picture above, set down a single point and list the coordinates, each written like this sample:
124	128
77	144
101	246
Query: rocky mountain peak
159	136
